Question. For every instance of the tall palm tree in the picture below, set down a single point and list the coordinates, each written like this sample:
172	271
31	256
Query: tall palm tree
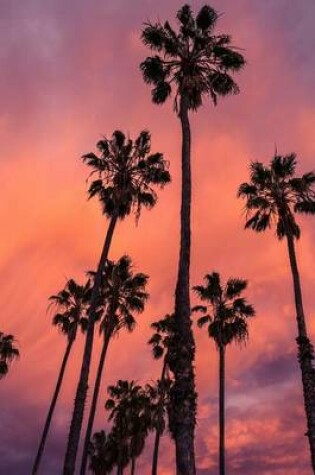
72	304
8	353
226	318
161	344
127	176
274	195
193	63
130	410
123	295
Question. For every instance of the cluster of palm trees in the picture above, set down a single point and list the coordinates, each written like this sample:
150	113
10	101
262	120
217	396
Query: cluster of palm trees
191	63
124	176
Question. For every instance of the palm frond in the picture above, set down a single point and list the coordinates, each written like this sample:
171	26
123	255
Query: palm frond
230	60
305	207
259	222
246	190
153	36
199	308
206	18
185	16
235	287
222	84
283	166
153	70
204	320
161	92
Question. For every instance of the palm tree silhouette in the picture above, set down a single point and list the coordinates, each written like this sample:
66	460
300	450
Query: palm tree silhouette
123	295
8	353
226	319
103	453
127	176
273	196
72	304
161	347
130	410
194	63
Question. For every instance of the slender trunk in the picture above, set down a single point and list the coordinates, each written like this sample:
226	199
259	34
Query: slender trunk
305	351
133	466
82	388
120	468
93	406
222	410
41	447
120	454
158	430
183	395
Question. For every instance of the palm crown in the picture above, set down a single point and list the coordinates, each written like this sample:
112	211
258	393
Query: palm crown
122	398
122	295
194	61
72	304
127	173
274	194
161	343
103	453
130	409
227	312
161	339
8	352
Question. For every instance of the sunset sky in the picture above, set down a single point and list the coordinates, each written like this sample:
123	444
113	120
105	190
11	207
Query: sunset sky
70	74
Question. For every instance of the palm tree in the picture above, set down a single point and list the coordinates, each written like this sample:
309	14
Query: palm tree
127	176
275	195
72	304
123	295
226	319
130	410
103	453
161	344
8	353
193	63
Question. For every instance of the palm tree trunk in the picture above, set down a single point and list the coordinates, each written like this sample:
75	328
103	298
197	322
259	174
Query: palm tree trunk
41	447
305	351
82	388
133	466
93	406
222	410
158	430
120	468
183	395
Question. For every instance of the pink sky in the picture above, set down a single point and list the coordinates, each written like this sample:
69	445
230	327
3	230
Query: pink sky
70	74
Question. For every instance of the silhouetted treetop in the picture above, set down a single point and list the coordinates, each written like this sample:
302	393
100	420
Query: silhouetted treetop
274	194
192	60
127	173
226	311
